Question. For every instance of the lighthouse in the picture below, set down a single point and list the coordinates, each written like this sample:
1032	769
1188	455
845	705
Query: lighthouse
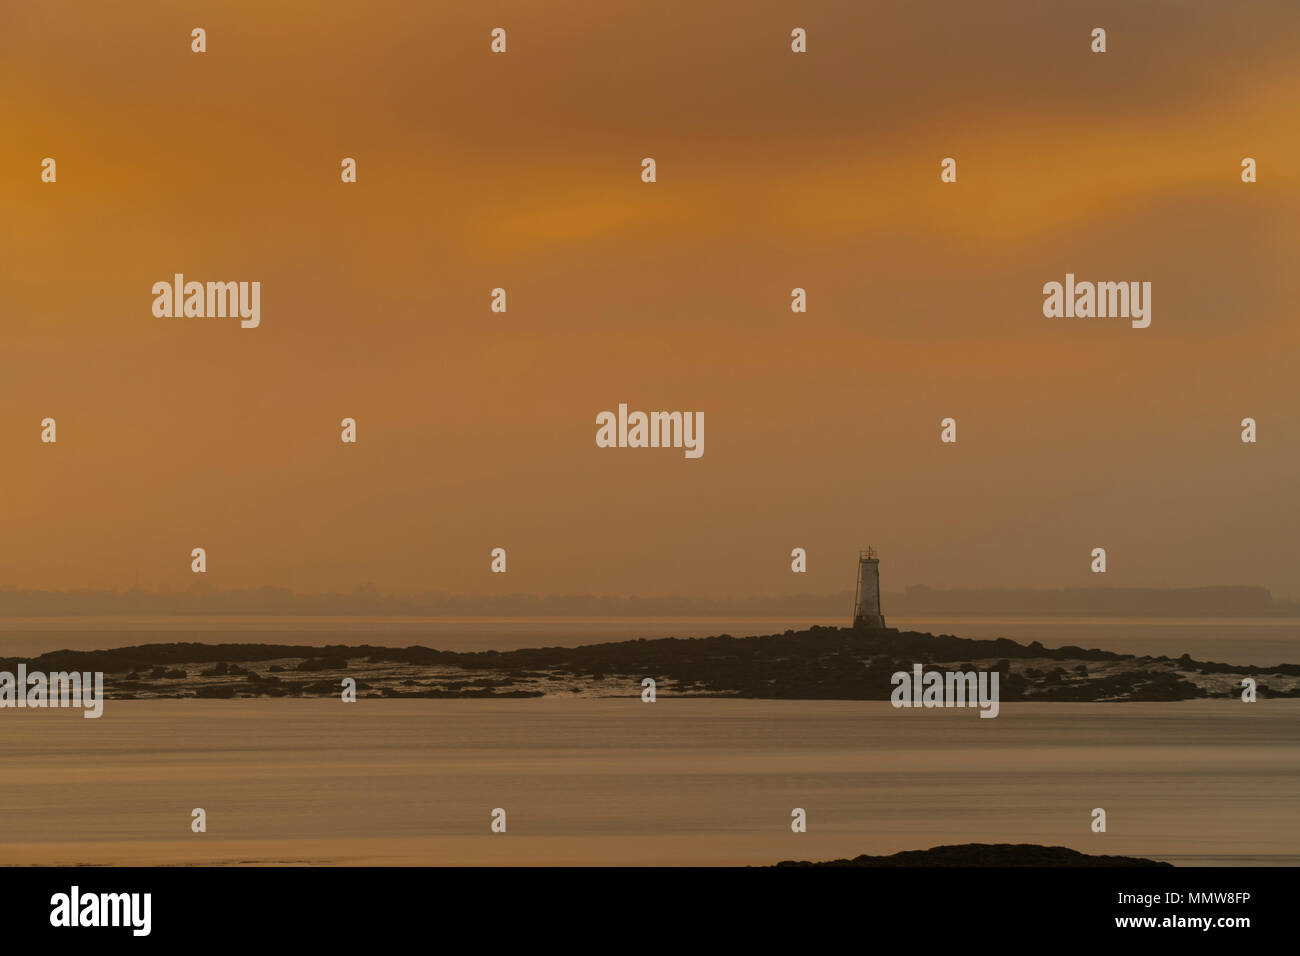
866	604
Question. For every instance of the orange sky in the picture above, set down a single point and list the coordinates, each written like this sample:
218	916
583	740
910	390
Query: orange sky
775	170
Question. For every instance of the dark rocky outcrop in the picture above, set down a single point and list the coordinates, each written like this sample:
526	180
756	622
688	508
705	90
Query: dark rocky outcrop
988	855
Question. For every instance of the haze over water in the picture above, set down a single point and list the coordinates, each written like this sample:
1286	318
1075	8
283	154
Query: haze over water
618	781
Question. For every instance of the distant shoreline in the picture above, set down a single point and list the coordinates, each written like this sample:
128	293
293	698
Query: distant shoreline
915	601
820	663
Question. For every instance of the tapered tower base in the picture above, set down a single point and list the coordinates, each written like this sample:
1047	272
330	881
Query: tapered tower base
866	603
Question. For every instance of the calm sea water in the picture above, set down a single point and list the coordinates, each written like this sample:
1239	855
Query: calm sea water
1261	641
619	781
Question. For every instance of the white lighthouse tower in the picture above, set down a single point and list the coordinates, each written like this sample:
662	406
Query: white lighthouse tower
866	604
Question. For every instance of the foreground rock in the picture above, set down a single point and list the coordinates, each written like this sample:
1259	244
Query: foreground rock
987	854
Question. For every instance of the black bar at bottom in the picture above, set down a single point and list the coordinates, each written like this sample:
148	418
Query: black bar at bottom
650	906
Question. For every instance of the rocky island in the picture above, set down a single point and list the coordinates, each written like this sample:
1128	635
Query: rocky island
821	663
